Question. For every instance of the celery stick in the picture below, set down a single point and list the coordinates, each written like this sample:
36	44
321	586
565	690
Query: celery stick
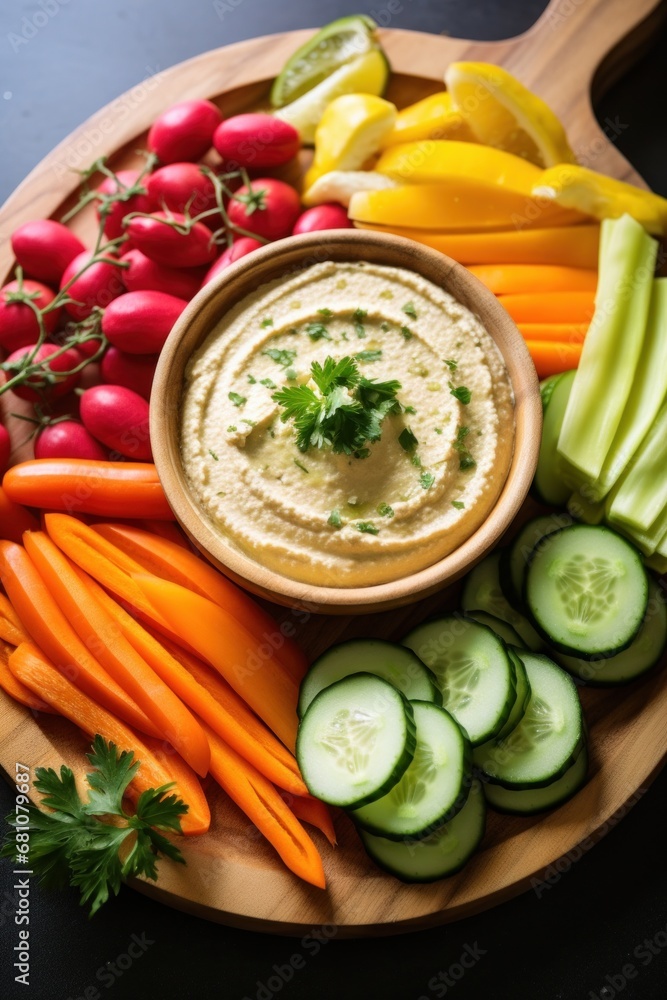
646	396
649	541
657	563
612	347
583	509
643	490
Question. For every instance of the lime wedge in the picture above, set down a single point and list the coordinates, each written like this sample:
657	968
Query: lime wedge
334	45
367	74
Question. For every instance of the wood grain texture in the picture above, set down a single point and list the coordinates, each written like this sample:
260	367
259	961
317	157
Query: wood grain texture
233	876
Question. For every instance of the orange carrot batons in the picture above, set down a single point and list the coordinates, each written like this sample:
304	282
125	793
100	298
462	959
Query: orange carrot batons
12	686
14	518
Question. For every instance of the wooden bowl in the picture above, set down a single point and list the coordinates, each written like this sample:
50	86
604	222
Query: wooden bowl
282	258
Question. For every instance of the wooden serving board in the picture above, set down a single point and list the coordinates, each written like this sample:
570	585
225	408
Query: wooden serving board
233	875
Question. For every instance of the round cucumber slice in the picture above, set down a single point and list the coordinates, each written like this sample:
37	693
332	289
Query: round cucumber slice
645	650
482	591
473	669
548	738
356	741
332	46
514	560
503	629
442	853
435	785
394	663
533	800
586	590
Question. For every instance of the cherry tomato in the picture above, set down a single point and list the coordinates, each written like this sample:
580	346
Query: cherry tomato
44	248
327	216
35	389
5	449
133	371
180	184
68	439
157	238
140	322
184	131
97	286
18	323
113	225
240	248
269	208
256	141
118	418
144	274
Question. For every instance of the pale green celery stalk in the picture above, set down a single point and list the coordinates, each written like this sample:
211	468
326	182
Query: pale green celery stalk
657	563
643	491
646	396
583	509
649	541
612	346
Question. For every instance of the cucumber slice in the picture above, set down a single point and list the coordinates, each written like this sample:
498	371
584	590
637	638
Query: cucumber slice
394	663
332	46
514	560
473	670
645	650
434	787
586	590
533	800
548	482
443	853
508	634
519	708
366	74
548	738
482	592
356	741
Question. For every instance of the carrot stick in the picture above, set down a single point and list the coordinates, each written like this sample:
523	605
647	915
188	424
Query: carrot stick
563	333
50	630
316	813
98	630
261	803
11	629
218	638
14	518
12	685
216	703
162	558
78	485
552	357
572	246
550	307
33	669
166	529
508	279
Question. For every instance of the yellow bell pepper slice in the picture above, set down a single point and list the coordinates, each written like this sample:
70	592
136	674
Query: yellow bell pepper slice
462	205
602	197
349	133
434	117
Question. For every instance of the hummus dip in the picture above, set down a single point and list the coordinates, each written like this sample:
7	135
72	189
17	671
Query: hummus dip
399	504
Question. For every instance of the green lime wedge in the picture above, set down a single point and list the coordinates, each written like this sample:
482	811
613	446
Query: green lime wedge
334	45
367	74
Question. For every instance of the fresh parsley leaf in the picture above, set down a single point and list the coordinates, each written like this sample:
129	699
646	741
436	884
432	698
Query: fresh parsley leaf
284	358
231	428
269	383
267	321
325	313
458	504
410	310
251	379
426	480
407	440
290	374
416	460
74	844
368	355
384	510
317	331
460	392
438	430
409	409
334	519
358	317
302	467
385	327
466	461
367	528
236	399
213	455
451	364
407	333
343	411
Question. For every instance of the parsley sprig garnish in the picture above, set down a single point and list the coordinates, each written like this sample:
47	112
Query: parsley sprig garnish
343	411
73	842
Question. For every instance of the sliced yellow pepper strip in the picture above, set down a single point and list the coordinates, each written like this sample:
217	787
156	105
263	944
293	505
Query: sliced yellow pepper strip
602	197
434	117
445	161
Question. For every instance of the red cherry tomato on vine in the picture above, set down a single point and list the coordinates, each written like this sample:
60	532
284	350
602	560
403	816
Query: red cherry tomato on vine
327	216
113	224
18	323
240	248
68	439
180	184
133	371
184	131
98	285
158	239
5	449
268	208
118	418
256	141
44	248
144	274
36	389
140	322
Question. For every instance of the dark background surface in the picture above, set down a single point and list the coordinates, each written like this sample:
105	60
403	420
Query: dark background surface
568	940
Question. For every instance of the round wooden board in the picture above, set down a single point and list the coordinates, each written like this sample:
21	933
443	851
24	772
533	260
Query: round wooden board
233	875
